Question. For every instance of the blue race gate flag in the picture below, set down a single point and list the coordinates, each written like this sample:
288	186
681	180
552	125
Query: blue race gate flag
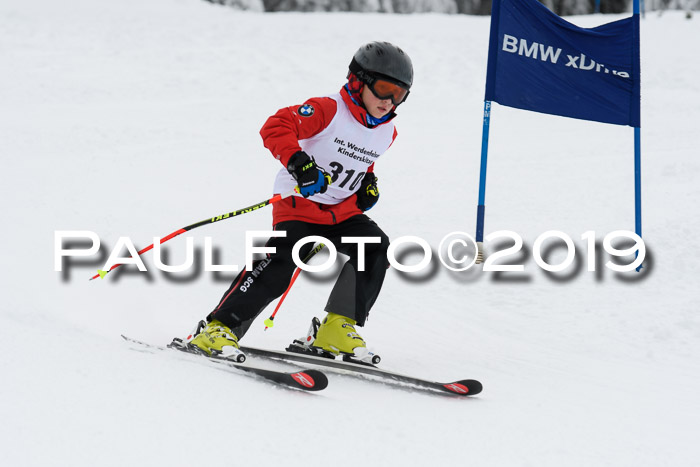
540	62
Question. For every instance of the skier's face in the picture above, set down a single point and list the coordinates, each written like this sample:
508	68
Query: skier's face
376	107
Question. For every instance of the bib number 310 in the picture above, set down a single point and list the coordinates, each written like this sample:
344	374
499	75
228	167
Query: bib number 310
337	170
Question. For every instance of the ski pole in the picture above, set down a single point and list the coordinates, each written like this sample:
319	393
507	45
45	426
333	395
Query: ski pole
228	215
269	322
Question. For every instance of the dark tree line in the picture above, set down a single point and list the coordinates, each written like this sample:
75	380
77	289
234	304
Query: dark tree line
468	7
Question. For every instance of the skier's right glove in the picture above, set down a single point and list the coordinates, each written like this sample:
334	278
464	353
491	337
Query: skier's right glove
310	178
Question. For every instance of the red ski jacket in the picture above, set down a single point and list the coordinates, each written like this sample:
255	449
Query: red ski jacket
281	134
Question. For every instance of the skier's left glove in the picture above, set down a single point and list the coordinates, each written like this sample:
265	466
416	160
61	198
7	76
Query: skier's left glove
368	194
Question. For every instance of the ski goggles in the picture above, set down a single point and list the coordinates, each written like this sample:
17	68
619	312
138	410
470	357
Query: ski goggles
384	89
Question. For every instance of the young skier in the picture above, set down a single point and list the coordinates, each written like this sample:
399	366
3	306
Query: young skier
327	148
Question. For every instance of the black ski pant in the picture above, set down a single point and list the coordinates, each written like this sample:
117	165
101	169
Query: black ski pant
352	296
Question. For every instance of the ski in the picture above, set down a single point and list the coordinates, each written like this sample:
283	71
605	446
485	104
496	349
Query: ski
465	387
307	380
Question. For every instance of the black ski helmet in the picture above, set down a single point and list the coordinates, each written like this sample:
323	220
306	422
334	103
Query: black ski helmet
382	59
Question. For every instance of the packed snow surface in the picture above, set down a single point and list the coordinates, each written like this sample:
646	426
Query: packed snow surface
136	118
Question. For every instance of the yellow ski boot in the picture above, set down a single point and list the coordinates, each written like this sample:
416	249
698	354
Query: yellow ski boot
337	335
217	340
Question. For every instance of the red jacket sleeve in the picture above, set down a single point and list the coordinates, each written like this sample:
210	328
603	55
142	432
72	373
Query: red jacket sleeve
282	131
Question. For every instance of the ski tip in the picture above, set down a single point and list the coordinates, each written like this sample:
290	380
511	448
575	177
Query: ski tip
465	387
310	380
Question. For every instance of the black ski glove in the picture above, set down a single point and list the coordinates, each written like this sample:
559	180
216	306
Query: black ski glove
368	194
310	178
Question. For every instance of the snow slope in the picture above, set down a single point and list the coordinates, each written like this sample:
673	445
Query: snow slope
136	118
